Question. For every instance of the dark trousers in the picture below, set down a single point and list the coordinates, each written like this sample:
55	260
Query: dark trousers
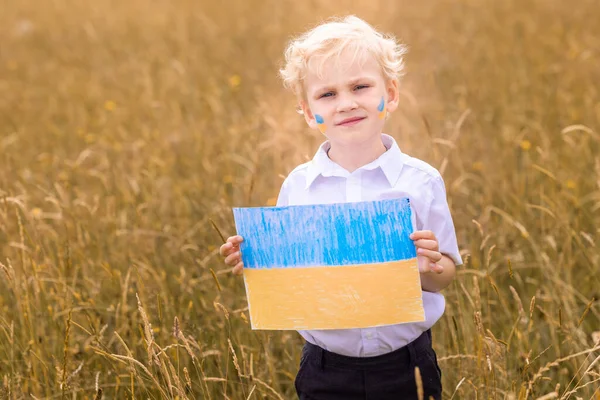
324	375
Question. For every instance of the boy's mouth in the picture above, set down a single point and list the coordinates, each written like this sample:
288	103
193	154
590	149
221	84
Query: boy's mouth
350	121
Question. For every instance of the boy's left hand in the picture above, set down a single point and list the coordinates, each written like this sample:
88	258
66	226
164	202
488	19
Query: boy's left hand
428	255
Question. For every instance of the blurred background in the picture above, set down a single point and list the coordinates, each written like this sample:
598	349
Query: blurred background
129	129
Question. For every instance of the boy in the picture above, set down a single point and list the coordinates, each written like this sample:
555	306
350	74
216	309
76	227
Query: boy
345	75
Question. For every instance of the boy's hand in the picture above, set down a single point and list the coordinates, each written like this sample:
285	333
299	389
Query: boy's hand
231	251
428	255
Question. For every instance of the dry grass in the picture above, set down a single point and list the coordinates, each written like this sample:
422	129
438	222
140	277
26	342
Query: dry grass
126	126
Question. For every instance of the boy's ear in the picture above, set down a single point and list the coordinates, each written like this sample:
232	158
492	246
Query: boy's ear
308	115
393	94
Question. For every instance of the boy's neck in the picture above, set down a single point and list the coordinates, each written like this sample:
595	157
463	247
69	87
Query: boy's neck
352	158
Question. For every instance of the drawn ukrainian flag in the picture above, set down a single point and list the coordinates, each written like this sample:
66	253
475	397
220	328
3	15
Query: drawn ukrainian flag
330	266
381	108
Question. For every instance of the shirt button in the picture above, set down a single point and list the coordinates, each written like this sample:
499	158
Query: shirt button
369	335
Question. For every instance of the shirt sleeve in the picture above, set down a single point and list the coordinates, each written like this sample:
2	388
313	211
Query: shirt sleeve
439	221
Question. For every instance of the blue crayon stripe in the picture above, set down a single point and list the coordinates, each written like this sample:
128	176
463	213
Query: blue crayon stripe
325	234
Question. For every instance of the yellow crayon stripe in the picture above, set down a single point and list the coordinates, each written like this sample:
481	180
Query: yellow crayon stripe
334	297
322	127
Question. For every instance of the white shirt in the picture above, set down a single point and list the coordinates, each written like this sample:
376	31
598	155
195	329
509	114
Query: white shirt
393	175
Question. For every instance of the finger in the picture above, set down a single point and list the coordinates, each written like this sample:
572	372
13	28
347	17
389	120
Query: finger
422	235
235	240
423	264
434	256
238	269
233	258
426	266
224	249
437	268
427	244
228	248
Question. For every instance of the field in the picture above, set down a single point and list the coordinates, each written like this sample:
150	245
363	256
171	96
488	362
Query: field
129	128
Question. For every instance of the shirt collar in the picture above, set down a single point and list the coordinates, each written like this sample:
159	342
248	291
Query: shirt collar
390	163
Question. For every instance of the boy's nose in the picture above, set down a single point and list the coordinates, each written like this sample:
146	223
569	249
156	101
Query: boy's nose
346	103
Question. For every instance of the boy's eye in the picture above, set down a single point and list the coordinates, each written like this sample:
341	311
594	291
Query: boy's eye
328	94
361	87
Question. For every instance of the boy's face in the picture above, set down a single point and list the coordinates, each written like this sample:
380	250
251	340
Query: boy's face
349	101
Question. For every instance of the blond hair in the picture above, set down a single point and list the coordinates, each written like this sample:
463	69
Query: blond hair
329	40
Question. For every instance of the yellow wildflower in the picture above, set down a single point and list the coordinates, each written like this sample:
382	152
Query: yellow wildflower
234	81
109	105
36	213
526	145
478	166
571	184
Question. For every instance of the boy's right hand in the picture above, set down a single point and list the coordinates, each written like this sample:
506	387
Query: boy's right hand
231	251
